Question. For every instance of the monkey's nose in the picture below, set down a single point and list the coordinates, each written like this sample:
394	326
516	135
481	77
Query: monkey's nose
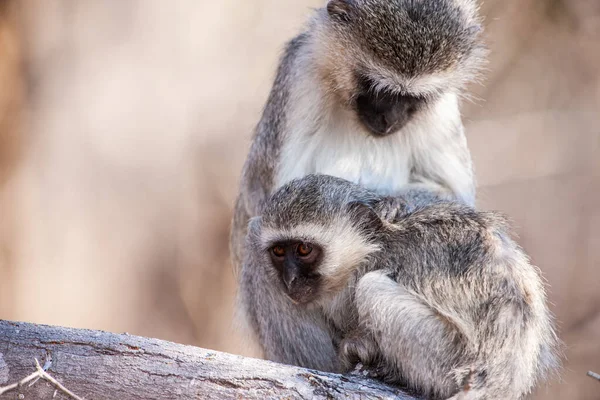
290	276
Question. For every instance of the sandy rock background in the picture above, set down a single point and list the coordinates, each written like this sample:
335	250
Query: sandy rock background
124	126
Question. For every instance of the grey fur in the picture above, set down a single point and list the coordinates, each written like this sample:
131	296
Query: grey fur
268	314
394	43
413	37
448	305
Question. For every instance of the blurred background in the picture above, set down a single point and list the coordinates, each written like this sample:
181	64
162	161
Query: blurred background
124	126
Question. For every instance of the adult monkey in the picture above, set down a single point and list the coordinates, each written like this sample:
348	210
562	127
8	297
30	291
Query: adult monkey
369	92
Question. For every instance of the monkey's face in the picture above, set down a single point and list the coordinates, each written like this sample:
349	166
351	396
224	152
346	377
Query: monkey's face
297	265
381	101
387	59
310	238
384	111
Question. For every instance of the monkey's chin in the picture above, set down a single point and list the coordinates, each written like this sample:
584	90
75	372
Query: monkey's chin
379	131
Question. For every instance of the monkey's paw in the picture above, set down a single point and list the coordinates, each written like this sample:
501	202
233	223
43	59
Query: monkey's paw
357	353
390	209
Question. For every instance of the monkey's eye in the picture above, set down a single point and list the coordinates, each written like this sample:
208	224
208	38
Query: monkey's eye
304	249
278	251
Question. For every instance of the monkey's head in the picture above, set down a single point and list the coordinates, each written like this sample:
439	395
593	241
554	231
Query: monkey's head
388	60
313	235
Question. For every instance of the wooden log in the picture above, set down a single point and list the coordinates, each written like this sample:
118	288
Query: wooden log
96	365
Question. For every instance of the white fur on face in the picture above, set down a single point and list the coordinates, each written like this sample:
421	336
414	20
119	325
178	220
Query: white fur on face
424	85
432	83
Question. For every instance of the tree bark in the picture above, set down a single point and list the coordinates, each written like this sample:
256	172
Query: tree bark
97	365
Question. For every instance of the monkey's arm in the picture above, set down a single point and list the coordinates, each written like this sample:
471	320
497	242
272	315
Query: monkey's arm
418	345
258	175
256	185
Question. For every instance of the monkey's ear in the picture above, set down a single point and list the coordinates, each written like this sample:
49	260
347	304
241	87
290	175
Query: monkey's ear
365	215
340	10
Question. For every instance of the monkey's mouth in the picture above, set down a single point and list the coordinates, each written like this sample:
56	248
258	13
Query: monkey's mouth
383	111
301	294
384	114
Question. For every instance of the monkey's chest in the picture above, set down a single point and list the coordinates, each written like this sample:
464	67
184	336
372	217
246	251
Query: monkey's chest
379	164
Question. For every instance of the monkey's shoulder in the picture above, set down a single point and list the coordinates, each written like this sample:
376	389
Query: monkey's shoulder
456	238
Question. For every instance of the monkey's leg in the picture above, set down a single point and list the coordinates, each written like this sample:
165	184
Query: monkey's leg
419	347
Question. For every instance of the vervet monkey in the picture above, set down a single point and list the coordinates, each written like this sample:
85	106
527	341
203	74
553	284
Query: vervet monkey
369	92
437	297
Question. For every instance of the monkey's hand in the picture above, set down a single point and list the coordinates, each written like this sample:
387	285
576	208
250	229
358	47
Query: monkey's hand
391	208
357	348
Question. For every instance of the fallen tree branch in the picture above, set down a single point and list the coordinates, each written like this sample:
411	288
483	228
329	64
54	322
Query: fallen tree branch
98	365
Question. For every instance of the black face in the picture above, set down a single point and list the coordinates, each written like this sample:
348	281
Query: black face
384	112
297	263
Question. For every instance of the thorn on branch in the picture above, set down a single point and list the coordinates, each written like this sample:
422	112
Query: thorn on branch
40	373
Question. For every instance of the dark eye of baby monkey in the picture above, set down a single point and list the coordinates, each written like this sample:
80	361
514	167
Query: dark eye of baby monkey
384	112
278	251
302	251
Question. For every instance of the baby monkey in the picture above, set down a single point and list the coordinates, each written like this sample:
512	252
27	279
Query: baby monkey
435	297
